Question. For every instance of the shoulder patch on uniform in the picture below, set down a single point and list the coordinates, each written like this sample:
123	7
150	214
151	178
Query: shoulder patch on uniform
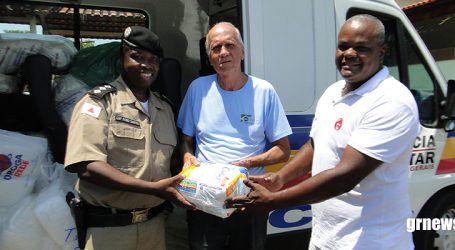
164	98
101	90
90	109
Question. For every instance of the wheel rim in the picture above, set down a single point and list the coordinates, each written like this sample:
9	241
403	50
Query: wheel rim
445	239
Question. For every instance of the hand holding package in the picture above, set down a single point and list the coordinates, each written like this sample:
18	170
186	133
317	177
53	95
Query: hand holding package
207	186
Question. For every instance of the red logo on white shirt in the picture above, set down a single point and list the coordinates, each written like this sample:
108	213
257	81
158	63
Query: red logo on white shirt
338	124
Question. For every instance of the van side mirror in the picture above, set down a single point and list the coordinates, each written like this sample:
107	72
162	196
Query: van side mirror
449	114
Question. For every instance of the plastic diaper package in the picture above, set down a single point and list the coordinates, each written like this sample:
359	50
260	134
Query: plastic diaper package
207	186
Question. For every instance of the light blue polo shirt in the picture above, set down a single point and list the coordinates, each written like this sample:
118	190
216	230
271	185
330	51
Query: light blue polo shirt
231	125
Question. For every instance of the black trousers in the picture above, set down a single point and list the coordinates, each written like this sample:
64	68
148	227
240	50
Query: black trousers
237	232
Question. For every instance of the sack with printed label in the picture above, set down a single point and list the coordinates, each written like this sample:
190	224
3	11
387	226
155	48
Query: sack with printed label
21	157
16	47
68	91
210	184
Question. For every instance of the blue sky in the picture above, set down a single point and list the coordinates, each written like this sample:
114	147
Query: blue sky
25	27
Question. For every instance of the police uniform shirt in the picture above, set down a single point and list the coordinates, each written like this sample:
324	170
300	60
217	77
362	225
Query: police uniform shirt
114	128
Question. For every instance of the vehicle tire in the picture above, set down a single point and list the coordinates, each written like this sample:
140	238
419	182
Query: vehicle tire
442	206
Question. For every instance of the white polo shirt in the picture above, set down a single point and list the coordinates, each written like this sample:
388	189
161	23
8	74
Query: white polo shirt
379	119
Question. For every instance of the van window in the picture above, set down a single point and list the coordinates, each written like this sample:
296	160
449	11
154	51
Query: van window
407	64
421	83
434	21
90	26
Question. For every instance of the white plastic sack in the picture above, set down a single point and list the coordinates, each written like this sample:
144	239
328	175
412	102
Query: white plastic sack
210	184
53	214
5	214
20	159
16	47
49	172
10	84
55	172
23	231
68	91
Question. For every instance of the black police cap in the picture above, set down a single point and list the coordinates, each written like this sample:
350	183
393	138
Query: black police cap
143	38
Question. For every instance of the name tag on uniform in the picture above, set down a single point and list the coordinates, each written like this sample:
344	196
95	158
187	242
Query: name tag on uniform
126	120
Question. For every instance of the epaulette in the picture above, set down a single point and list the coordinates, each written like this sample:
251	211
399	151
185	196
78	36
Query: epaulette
164	98
101	90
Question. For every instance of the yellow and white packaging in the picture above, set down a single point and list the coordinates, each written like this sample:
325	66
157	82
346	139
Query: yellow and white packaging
207	186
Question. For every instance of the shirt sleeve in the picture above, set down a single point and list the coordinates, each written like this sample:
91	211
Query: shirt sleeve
386	131
88	132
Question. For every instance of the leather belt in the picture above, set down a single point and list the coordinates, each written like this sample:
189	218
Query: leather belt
108	217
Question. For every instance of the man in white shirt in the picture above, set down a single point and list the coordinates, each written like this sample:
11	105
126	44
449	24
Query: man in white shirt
358	152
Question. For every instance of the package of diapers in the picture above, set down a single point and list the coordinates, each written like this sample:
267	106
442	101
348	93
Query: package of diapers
207	186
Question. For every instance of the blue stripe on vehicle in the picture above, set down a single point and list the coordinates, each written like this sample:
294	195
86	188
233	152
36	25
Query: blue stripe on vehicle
300	120
301	126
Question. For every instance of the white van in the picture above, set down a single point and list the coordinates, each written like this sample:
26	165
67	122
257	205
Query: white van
290	43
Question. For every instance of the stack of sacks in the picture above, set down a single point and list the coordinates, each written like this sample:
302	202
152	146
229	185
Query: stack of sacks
40	221
90	67
16	47
33	210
